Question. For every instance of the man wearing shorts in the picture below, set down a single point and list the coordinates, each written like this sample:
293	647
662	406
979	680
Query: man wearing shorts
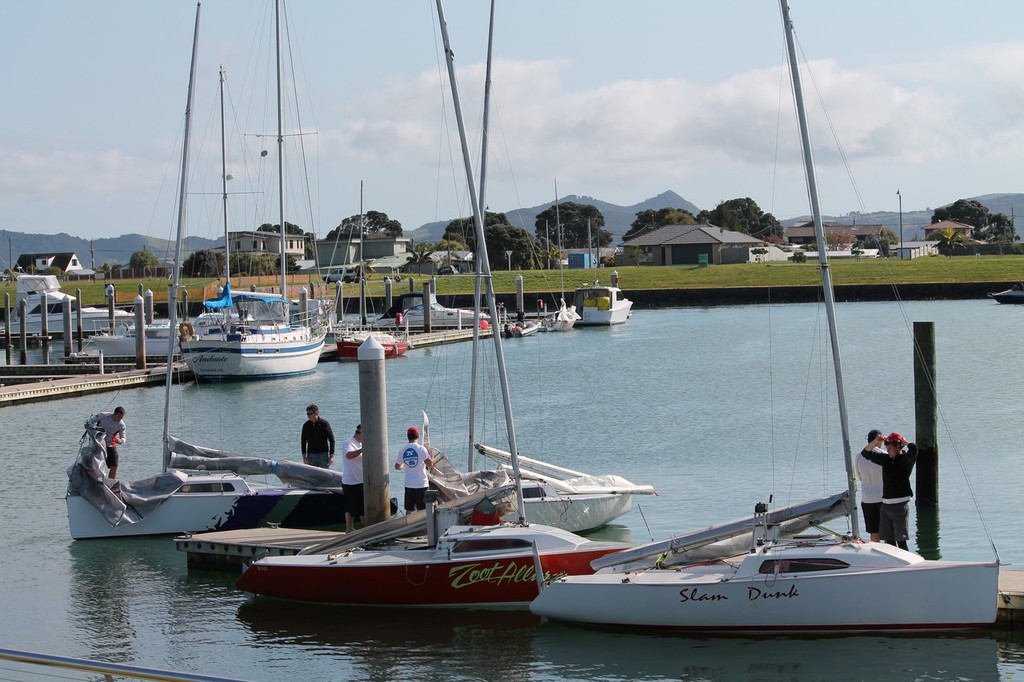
352	478
114	434
870	475
415	459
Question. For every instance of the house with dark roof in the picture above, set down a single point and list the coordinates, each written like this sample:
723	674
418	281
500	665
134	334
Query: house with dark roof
691	245
68	263
931	231
804	233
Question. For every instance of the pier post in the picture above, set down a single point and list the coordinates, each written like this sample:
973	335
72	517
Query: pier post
44	320
925	416
65	310
78	319
148	298
387	293
412	285
362	299
7	319
184	306
110	306
140	333
426	308
373	415
520	304
23	337
304	308
339	302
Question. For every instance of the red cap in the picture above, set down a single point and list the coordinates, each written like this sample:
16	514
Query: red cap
413	432
895	437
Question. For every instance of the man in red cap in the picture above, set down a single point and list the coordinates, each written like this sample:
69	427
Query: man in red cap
896	464
415	459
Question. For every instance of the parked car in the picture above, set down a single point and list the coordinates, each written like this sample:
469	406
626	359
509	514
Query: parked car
345	275
448	270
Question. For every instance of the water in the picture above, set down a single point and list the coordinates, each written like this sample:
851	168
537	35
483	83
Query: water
718	408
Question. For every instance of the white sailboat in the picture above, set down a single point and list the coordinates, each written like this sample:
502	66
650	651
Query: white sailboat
807	584
475	565
196	498
261	338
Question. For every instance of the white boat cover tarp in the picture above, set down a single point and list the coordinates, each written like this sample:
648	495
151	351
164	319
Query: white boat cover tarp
121	502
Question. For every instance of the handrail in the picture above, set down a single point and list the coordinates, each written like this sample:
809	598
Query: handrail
138	672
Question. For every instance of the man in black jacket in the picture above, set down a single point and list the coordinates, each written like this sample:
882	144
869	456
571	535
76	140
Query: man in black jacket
896	464
317	439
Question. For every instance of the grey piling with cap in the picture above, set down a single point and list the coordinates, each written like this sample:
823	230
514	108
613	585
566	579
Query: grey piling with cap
78	319
373	415
140	333
426	308
925	416
65	310
147	295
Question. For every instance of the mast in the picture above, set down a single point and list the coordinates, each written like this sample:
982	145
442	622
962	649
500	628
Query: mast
280	149
485	266
224	183
483	205
826	275
172	291
558	235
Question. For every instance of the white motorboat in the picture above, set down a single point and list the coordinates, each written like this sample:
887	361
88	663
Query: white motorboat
599	305
122	341
408	312
42	292
825	583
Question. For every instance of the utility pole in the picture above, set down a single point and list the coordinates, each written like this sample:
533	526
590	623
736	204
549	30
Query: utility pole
901	222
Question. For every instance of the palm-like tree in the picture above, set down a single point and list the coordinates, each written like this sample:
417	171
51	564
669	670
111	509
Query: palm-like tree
950	239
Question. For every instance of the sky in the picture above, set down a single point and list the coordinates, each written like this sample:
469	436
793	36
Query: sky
614	100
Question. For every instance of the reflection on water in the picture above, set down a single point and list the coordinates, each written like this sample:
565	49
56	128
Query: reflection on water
564	651
387	644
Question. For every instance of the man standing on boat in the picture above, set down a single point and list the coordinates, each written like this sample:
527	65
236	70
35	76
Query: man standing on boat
317	439
870	475
896	491
114	434
415	459
352	478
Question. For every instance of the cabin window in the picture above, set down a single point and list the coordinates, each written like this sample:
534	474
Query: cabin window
532	491
490	545
207	488
801	565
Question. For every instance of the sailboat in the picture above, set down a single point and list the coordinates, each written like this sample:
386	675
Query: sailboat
804	584
565	318
181	499
460	565
260	338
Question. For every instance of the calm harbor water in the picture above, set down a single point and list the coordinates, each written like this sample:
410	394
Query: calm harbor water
717	407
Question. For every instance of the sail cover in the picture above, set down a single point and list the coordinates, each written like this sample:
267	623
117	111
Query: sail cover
223	301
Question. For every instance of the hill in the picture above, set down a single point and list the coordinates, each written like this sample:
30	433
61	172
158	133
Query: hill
617	219
94	252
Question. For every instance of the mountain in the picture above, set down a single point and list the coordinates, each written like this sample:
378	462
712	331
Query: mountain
617	219
94	252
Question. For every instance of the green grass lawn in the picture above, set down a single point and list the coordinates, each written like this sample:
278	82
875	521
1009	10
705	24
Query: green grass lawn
930	269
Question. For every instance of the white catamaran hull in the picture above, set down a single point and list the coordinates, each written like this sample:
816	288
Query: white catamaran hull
842	587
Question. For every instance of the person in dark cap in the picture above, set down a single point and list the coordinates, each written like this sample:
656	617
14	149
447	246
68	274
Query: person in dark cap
352	478
415	459
897	463
870	475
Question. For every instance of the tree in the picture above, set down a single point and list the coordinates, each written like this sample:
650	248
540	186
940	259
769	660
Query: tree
992	227
950	239
838	240
637	254
651	219
289	228
201	263
371	225
743	215
574	221
881	241
143	260
504	237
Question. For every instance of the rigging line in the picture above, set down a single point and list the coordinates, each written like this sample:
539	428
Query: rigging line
298	118
831	126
